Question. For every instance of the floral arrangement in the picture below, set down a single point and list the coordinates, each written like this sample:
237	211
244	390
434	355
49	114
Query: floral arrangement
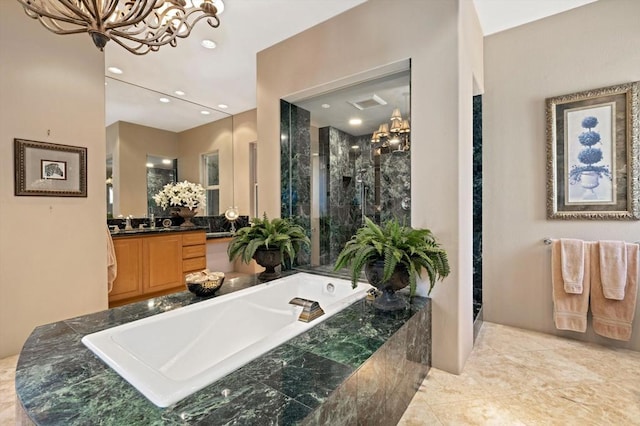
181	194
589	155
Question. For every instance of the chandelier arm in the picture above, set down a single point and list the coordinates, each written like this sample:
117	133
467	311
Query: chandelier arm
69	4
57	29
154	41
94	10
162	36
38	13
111	7
216	25
135	51
134	16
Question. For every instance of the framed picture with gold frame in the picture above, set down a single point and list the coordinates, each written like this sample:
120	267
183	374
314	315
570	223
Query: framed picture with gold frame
47	169
593	143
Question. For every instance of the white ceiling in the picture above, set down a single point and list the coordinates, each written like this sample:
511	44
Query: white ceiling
500	15
227	74
224	75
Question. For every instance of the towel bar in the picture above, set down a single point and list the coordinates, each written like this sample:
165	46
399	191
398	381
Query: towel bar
547	241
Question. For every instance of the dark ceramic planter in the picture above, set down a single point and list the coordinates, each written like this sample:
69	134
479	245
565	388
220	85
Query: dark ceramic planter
269	259
388	300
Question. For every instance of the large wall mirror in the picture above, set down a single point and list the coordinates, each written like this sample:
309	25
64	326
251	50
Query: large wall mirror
152	137
346	155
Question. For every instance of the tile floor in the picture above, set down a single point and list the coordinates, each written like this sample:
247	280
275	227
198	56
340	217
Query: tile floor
513	377
7	390
519	377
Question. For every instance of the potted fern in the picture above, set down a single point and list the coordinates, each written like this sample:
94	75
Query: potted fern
393	256
269	242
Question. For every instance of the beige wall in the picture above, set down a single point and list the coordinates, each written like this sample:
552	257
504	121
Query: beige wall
586	48
52	249
442	74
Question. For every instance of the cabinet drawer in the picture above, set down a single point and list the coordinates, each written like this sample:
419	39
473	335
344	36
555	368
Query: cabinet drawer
195	238
195	264
194	251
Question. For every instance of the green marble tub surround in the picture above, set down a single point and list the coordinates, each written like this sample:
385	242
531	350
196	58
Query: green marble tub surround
359	366
382	387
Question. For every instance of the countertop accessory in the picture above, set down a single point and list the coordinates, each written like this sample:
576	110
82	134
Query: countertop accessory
166	223
204	283
231	214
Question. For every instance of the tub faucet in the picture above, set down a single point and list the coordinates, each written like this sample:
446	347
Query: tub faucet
310	309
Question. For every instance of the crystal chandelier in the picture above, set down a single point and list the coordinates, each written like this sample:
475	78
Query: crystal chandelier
395	138
140	26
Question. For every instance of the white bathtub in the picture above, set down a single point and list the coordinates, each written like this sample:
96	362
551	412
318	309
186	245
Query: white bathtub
174	354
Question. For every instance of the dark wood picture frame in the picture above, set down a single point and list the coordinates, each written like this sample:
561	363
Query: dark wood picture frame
50	170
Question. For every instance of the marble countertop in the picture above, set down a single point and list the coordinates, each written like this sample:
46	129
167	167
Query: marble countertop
60	381
153	231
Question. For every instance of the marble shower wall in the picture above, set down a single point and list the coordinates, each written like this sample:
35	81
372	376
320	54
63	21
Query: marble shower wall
354	175
477	204
295	168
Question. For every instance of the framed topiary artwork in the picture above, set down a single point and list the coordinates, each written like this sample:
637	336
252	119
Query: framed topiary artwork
593	143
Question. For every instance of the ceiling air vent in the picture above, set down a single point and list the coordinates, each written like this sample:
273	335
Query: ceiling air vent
369	102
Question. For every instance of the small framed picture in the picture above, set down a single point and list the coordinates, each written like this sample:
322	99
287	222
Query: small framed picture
46	169
54	169
593	143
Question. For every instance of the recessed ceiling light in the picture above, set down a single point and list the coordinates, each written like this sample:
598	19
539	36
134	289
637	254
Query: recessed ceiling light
208	44
223	106
355	147
149	164
166	161
203	112
179	93
355	121
326	106
165	100
114	70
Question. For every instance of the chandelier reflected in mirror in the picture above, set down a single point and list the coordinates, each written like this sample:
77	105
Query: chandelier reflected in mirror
394	138
140	26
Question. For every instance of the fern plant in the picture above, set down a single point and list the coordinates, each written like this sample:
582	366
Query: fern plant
398	246
281	234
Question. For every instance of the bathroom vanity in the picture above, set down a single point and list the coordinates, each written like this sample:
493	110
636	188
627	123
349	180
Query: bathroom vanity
154	262
360	366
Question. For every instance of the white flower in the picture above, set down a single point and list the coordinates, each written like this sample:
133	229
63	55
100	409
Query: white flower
181	194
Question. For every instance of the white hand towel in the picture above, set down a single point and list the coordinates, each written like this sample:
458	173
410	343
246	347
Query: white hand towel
613	269
572	258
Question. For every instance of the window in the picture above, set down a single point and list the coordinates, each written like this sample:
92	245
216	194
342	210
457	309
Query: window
211	179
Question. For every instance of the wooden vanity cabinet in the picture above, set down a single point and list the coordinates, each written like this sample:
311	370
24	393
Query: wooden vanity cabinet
128	282
151	265
161	263
194	252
